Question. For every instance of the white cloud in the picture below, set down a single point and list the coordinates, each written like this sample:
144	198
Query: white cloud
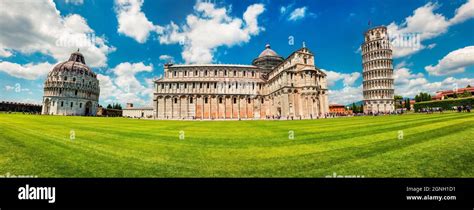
28	71
9	87
431	46
408	84
348	79
167	58
418	85
132	22
75	2
37	26
4	52
427	25
285	9
124	87
455	62
349	93
463	13
210	27
403	76
297	14
251	18
346	95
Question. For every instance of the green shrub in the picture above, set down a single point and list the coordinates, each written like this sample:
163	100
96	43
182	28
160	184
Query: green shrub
444	104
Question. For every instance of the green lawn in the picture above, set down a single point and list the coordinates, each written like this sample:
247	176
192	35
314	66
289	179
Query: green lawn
434	145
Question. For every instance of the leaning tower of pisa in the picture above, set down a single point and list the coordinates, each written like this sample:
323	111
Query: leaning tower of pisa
377	64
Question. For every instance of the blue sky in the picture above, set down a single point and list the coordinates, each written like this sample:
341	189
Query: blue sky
127	41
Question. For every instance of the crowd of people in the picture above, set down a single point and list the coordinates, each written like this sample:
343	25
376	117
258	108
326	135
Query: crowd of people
463	108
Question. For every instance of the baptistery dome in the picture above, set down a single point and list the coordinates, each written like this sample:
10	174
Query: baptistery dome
71	88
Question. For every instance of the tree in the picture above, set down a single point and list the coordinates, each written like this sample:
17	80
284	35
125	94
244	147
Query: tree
398	101
354	108
114	106
465	94
407	104
468	86
117	106
422	97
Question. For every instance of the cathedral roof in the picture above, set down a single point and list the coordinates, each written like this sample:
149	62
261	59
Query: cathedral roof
210	65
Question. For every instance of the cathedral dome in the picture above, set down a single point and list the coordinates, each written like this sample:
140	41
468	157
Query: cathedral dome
71	88
268	52
268	58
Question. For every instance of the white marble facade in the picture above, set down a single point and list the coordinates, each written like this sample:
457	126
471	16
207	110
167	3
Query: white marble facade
71	88
272	87
378	82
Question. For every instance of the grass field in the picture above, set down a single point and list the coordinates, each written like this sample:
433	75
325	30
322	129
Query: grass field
434	145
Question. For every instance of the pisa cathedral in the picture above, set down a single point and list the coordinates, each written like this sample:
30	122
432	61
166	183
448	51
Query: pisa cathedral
378	82
271	88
